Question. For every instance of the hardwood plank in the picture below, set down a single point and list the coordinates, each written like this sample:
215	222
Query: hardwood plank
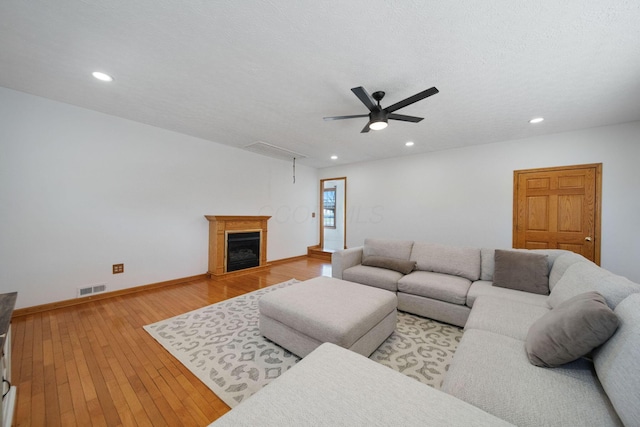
94	365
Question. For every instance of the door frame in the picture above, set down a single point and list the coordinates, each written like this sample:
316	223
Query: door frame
344	216
597	202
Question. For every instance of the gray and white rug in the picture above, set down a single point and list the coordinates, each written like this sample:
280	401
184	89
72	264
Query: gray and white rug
222	346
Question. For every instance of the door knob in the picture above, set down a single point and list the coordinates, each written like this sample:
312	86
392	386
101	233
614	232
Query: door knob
587	239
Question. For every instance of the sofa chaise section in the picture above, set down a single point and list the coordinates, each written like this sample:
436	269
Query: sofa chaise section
337	387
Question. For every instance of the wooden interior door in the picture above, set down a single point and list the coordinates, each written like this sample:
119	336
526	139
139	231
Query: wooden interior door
558	208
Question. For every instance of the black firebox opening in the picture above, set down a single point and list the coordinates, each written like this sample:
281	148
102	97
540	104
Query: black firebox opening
243	250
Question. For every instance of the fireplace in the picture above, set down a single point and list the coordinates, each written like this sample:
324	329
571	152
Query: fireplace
237	244
243	250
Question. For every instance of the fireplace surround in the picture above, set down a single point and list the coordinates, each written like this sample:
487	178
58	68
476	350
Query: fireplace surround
237	244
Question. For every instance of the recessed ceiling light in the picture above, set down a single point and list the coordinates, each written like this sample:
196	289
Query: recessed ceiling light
334	157
409	144
536	120
102	76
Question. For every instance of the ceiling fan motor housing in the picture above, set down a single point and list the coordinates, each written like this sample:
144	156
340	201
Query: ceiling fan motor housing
378	115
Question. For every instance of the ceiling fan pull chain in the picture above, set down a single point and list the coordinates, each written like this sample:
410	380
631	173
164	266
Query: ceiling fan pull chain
294	170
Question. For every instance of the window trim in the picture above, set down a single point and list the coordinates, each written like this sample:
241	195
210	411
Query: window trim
331	209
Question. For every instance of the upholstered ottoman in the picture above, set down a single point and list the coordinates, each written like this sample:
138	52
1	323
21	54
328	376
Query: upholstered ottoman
304	315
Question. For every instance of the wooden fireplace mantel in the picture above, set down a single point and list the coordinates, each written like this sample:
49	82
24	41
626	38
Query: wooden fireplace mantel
219	226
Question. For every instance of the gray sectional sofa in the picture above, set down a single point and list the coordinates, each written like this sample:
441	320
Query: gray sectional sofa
491	380
446	280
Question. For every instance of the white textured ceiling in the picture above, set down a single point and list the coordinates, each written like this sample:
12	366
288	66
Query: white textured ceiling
237	72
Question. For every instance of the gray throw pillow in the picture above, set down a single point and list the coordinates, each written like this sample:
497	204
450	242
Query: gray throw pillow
570	330
399	265
522	271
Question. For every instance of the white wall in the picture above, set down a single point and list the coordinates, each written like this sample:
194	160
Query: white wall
81	190
465	196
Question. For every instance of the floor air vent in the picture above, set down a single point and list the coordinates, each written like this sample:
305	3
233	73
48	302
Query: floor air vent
270	150
90	290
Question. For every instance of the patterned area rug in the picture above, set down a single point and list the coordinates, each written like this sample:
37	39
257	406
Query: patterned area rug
222	346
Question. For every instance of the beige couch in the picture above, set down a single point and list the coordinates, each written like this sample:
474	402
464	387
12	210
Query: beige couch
490	371
446	280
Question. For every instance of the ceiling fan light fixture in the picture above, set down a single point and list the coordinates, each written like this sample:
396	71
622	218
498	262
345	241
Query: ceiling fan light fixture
378	125
378	120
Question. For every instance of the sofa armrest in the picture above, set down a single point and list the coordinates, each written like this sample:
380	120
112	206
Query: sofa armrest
342	260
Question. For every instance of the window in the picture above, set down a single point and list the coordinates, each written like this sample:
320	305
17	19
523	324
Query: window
329	207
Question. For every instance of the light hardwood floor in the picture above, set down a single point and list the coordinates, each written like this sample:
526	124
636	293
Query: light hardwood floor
94	365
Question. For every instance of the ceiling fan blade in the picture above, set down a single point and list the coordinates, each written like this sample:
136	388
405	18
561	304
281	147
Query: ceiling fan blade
365	129
364	96
410	100
344	117
404	118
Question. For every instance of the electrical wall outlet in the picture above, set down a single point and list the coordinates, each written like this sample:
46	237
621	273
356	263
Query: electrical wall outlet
118	268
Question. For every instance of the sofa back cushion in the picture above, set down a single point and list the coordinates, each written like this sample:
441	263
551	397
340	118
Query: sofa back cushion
458	261
618	365
561	264
400	249
488	260
584	277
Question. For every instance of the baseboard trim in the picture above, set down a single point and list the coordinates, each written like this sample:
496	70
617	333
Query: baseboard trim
285	260
77	301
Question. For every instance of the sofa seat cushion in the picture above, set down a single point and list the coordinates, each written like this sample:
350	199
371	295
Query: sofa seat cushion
504	316
373	276
491	371
336	387
484	287
457	261
583	277
617	362
443	287
454	314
